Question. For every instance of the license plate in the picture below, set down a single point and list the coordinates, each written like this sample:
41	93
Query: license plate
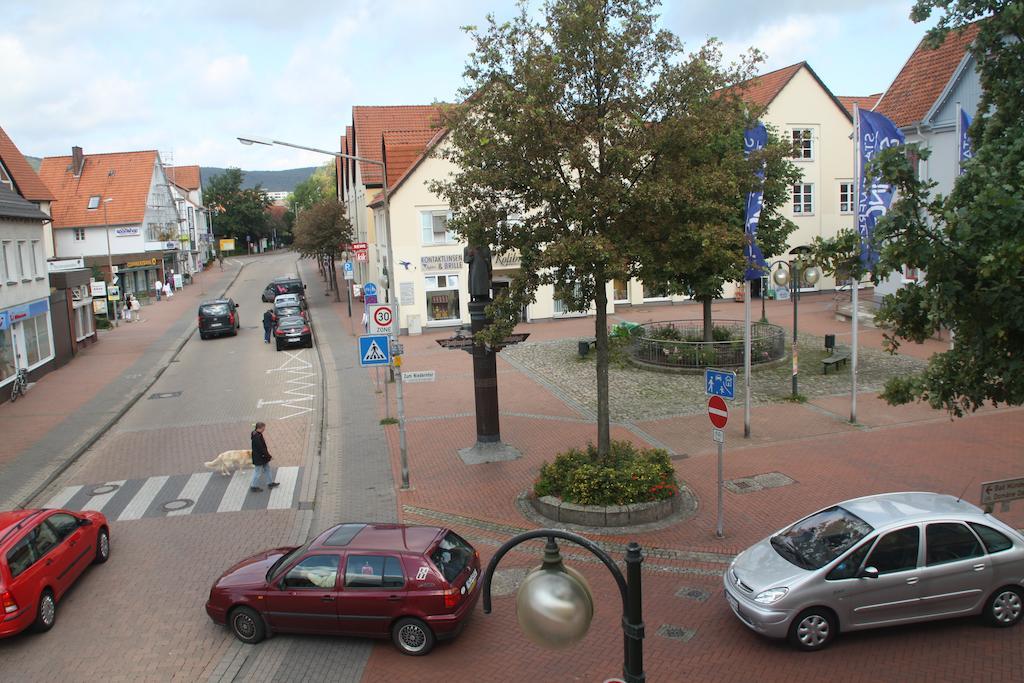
471	582
215	324
294	334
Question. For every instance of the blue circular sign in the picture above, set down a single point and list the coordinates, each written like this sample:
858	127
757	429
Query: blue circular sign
370	289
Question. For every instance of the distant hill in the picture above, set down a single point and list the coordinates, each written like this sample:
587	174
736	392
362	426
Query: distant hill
271	181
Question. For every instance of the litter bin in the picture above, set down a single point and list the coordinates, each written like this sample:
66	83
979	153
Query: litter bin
830	341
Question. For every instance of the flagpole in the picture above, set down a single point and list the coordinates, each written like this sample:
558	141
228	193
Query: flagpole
855	280
746	356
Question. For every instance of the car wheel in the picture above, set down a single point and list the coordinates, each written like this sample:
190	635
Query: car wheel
412	637
46	613
813	629
278	345
247	625
102	547
202	335
309	344
1005	607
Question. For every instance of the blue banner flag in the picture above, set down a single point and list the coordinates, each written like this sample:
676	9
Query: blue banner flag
876	133
966	152
754	139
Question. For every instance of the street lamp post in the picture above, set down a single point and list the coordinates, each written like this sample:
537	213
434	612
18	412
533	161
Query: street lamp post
391	260
110	258
796	271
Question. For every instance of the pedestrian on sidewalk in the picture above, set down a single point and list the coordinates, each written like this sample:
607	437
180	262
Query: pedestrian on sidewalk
167	291
261	459
268	325
136	308
158	287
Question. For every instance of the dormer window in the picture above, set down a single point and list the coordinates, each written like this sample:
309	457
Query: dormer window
94	201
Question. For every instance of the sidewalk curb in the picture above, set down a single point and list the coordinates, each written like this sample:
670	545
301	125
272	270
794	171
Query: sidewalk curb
128	403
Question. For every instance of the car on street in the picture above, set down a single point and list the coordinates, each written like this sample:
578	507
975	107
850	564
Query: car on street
286	284
42	553
218	317
412	584
287	305
293	330
884	560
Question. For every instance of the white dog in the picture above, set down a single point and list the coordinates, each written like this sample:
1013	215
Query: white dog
228	460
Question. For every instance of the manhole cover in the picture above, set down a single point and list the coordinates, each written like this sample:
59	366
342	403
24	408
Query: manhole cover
165	394
697	594
772	480
676	632
178	504
104	488
741	484
506	581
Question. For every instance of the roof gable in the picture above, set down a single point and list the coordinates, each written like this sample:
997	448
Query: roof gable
125	177
762	90
184	176
863	102
924	77
369	123
401	149
27	182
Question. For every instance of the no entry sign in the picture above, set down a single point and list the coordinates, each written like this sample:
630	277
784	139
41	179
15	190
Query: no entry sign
718	411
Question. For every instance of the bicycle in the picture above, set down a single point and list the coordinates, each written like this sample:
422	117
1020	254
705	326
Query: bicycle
20	385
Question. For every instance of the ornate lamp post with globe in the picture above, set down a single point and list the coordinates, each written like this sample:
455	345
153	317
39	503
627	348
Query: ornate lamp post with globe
796	271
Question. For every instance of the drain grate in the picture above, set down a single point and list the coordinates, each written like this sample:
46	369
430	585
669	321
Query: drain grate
698	594
759	482
676	632
165	394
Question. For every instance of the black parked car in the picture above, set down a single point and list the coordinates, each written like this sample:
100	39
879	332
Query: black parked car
293	331
288	284
218	317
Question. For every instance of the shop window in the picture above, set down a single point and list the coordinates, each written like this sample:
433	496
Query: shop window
85	321
6	355
36	333
620	291
443	297
655	291
434	225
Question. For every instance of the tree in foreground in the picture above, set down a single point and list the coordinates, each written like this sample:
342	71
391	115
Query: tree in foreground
970	244
593	147
242	212
320	232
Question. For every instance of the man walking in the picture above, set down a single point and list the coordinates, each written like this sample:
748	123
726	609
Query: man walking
158	287
268	325
261	459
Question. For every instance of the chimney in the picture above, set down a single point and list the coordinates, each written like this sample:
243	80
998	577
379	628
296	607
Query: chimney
77	161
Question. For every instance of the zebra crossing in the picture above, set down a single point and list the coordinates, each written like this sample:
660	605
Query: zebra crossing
181	494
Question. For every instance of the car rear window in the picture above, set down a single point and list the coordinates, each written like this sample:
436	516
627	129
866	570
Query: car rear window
294	321
814	542
287	287
995	541
214	309
451	556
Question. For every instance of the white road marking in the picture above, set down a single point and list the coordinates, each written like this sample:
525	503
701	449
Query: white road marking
97	502
142	500
192	490
62	498
234	497
298	390
281	496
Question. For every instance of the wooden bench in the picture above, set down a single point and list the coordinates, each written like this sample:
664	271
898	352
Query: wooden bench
835	359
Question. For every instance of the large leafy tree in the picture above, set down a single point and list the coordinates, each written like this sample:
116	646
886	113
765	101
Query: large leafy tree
320	231
320	185
567	153
970	244
241	212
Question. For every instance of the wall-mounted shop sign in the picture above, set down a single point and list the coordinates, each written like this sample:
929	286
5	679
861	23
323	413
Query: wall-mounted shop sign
143	263
441	262
128	231
60	265
509	259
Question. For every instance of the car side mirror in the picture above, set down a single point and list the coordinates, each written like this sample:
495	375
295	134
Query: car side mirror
238	305
869	573
303	286
84	521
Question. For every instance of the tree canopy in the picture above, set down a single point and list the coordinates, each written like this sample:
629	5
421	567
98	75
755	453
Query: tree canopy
970	244
241	213
322	229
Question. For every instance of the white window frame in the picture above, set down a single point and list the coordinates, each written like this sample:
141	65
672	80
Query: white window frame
21	260
94	202
910	275
803	144
851	197
449	236
79	234
34	253
5	261
451	284
806	194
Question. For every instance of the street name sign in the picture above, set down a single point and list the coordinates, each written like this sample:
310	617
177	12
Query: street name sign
374	350
381	317
1002	490
456	342
418	376
718	411
720	383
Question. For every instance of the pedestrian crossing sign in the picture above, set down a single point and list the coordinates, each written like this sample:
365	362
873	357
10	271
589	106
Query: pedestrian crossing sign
374	349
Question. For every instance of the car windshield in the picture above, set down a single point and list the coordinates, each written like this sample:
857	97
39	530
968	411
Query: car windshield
815	541
451	556
286	559
215	309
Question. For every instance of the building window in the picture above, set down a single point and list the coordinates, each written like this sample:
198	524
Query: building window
443	297
21	259
620	291
5	178
561	307
910	274
35	257
191	218
5	262
846	197
79	234
803	143
435	227
6	355
36	334
94	201
655	291
803	198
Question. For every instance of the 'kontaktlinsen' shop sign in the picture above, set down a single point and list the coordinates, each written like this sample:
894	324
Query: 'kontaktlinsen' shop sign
441	262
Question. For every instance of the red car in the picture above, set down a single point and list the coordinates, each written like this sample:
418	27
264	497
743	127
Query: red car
42	552
414	584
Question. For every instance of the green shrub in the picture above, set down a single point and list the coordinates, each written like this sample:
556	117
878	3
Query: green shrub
103	324
665	332
720	334
626	475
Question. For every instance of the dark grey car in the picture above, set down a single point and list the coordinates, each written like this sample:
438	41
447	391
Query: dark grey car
889	559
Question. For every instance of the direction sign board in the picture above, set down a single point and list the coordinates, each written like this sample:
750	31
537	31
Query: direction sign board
374	350
720	383
718	411
381	317
1002	490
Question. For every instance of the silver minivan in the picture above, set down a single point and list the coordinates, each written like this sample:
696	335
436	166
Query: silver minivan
883	560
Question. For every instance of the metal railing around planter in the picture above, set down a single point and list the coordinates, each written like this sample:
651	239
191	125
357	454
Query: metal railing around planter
679	344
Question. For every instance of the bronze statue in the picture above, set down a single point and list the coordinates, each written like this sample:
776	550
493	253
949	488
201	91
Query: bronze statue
479	260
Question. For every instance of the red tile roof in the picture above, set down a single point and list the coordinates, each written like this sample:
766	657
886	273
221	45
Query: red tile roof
27	182
123	176
923	78
867	102
402	148
186	177
369	123
412	165
766	87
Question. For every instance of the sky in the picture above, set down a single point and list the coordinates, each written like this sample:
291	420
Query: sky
188	77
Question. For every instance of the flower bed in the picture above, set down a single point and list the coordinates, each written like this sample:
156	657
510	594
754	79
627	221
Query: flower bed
679	344
625	476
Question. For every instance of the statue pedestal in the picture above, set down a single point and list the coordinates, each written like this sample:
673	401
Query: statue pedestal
480	453
485	379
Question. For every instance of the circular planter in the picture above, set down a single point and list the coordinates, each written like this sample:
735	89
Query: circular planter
630	515
651	351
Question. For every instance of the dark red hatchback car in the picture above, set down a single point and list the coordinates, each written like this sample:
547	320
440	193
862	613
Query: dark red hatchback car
414	584
42	552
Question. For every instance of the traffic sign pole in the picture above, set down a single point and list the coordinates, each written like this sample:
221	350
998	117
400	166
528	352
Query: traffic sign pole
718	412
720	530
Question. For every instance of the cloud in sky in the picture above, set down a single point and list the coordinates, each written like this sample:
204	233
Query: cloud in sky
189	77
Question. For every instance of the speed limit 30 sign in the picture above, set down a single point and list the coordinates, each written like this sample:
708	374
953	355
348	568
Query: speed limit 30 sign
381	317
